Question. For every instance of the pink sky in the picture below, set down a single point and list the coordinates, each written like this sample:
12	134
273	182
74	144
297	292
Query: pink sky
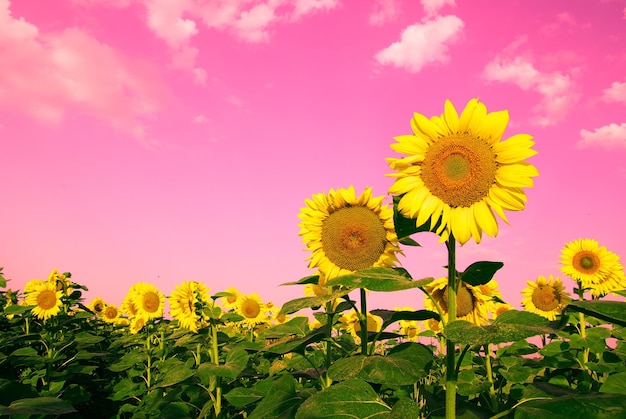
164	141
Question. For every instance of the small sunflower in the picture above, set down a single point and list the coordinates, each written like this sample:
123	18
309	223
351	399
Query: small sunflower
148	300
595	267
472	303
32	285
409	328
346	233
137	323
97	305
232	301
545	296
352	324
187	302
46	299
128	307
61	281
251	309
110	314
457	172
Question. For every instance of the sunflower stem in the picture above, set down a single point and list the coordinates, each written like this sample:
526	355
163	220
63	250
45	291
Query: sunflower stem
216	360
492	389
450	349
363	321
583	324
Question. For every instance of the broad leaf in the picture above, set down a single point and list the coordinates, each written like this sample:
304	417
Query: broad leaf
379	279
610	311
479	273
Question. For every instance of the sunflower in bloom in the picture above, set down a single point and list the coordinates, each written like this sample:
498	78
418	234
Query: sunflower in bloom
352	324
457	172
110	314
148	300
595	267
409	328
97	305
137	323
545	296
346	233
232	301
128	307
186	304
46	299
251	309
472	302
32	285
61	281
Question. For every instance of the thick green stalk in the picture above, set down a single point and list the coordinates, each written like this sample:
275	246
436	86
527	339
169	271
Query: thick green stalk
450	349
149	366
363	320
492	389
217	407
583	324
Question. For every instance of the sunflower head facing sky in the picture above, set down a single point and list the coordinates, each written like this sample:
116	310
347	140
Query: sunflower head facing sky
346	233
46	300
595	267
148	300
457	172
545	296
252	309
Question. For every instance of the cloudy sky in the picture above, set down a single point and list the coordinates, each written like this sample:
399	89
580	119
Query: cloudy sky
162	141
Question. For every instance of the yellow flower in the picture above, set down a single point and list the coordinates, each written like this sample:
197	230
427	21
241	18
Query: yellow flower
457	172
232	301
32	285
187	302
346	233
500	308
110	314
546	297
46	299
61	281
352	324
137	323
251	309
148	300
472	303
596	268
97	305
409	328
128	307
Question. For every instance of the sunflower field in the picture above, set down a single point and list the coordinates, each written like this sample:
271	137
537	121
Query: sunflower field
188	352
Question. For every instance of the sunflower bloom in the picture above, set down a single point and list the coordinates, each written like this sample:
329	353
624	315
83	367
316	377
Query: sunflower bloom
232	301
352	324
409	328
148	300
472	303
46	299
128	307
346	233
596	268
137	323
187	302
110	314
61	281
457	172
97	305
251	309
545	296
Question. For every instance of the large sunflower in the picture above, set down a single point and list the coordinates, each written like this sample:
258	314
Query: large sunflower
457	172
251	308
148	300
472	303
187	302
46	299
346	233
596	268
545	296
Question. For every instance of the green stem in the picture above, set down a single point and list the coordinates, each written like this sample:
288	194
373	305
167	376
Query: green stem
363	320
583	325
450	349
149	366
217	407
492	389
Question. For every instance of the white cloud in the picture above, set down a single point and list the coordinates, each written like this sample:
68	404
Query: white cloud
615	93
609	136
253	23
165	19
422	44
307	7
432	7
556	89
201	119
384	11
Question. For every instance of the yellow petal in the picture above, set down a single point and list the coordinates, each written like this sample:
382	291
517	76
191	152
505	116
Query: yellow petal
466	115
518	175
450	116
459	222
515	149
485	218
423	128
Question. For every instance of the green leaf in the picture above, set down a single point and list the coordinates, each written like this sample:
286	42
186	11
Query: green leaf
610	311
297	344
129	360
312	279
236	362
405	408
11	390
38	406
351	399
241	396
86	338
479	273
298	326
404	226
615	384
308	302
379	279
392	316
175	375
590	405
281	402
17	309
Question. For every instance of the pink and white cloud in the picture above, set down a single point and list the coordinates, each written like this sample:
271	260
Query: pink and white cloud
422	44
48	75
609	136
615	93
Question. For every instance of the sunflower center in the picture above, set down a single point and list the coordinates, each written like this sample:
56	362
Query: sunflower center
46	299
250	309
464	300
543	298
110	312
586	262
151	302
459	169
353	237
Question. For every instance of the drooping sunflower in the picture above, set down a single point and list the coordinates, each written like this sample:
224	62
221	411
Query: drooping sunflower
128	307
110	314
232	301
148	300
251	309
61	281
97	305
351	324
595	267
545	296
346	233
472	302
457	172
46	299
187	302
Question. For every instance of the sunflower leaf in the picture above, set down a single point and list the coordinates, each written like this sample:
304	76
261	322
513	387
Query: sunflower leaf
610	311
379	279
479	273
308	302
312	279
